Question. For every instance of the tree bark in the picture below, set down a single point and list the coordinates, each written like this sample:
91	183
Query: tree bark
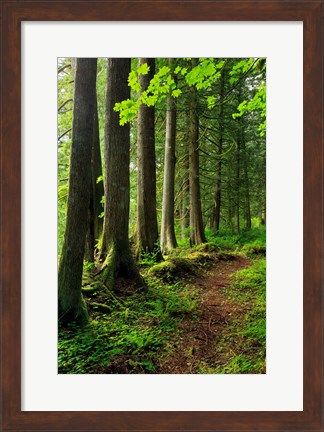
248	223
71	306
90	237
263	215
237	189
147	226
96	194
218	193
185	209
197	234
118	260
168	238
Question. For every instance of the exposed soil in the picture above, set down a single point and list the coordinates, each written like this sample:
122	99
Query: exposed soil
199	338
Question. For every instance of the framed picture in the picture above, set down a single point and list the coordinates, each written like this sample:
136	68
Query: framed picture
31	400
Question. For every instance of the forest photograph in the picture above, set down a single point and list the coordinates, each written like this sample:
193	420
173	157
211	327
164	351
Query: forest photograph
161	215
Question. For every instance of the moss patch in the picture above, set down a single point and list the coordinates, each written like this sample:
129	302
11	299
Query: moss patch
201	258
173	269
254	250
207	247
222	256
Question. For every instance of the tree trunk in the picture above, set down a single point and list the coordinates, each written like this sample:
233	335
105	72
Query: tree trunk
197	234
218	193
246	186
96	194
98	187
147	227
185	209
263	215
230	209
215	218
71	306
168	238
118	260
90	237
237	189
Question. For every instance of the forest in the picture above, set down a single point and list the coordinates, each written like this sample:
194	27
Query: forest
161	215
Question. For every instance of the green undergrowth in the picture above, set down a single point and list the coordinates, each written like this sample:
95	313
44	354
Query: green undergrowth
126	334
251	242
241	346
246	337
134	331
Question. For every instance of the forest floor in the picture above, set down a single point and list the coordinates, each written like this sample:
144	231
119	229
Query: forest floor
215	315
203	312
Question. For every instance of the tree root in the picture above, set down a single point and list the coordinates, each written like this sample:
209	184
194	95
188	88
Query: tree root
101	307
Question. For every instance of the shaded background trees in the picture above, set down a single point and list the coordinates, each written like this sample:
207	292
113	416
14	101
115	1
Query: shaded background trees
183	142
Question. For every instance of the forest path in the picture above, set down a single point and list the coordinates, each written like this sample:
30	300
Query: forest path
196	348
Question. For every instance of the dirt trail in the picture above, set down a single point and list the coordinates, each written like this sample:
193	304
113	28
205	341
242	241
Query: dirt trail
199	338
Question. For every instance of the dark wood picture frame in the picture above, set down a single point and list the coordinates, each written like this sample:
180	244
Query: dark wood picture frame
13	13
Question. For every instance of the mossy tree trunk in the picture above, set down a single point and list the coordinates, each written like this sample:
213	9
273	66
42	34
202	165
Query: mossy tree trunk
197	234
185	210
237	188
71	306
218	192
168	238
248	223
146	224
185	205
96	193
116	253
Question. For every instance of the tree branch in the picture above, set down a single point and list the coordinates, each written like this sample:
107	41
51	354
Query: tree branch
61	136
63	67
64	103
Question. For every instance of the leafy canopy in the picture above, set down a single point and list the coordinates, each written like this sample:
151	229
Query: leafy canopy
202	76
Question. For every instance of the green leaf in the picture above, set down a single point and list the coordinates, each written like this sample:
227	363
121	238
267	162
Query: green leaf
163	71
143	69
133	81
176	93
211	100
